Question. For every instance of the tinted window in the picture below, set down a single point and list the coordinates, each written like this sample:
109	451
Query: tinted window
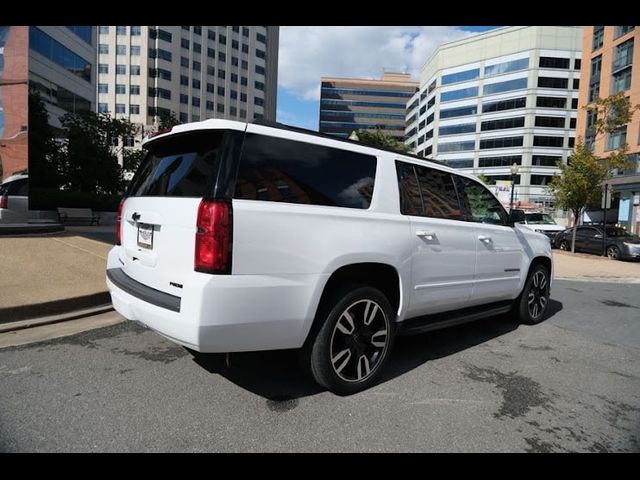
410	196
279	170
479	204
438	193
179	166
17	187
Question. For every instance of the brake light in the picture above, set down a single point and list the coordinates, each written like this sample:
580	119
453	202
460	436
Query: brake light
214	230
119	222
4	200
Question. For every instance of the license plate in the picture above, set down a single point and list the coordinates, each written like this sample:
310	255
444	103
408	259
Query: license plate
145	235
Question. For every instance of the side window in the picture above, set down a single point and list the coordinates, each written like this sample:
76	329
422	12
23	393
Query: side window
438	193
410	196
18	187
480	204
280	170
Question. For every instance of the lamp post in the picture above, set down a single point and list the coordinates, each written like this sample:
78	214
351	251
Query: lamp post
514	172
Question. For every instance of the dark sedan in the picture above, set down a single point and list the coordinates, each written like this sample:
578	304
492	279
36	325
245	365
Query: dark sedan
619	243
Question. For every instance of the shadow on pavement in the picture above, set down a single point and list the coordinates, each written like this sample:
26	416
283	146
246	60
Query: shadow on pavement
277	376
105	234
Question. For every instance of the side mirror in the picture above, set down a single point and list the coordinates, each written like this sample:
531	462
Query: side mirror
516	216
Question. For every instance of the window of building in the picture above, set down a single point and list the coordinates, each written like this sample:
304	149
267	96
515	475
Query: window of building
594	78
120	108
501	142
598	37
541	179
103	88
234	78
617	139
222	56
103	49
211	88
550	122
245	48
121	89
136	31
211	53
121	30
458	94
457	112
574	103
184	99
456	129
506	67
545	160
222	39
258	101
243	97
103	29
260	53
244	65
551	102
554	62
209	105
121	49
459	77
235	44
502	105
197	66
460	162
456	146
103	68
220	108
134	110
553	82
184	43
103	107
134	89
245	32
500	161
121	69
135	50
195	101
502	123
572	123
211	34
546	141
620	31
195	83
577	64
260	70
221	91
184	80
576	84
509	85
259	85
621	80
184	117
184	62
197	48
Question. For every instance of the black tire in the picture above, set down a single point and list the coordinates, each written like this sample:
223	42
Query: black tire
613	252
367	348
564	246
532	304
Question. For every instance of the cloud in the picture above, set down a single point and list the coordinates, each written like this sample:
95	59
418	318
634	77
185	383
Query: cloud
308	53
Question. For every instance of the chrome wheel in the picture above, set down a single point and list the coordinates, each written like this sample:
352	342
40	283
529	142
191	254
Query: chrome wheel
538	296
359	341
613	252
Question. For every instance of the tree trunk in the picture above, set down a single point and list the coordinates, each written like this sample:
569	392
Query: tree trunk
575	225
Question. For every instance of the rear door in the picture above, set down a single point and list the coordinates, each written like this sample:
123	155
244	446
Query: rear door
444	252
160	212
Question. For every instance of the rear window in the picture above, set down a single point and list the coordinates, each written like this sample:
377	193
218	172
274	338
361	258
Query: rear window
280	170
16	187
183	165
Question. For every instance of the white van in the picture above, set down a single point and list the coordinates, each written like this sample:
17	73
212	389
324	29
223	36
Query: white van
241	237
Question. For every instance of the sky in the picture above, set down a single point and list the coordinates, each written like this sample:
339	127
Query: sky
308	53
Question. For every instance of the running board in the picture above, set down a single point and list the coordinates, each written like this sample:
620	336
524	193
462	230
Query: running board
437	321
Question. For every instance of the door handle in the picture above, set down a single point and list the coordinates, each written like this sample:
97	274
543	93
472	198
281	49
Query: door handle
485	238
426	235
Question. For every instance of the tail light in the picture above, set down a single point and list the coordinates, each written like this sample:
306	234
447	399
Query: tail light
214	237
119	223
4	200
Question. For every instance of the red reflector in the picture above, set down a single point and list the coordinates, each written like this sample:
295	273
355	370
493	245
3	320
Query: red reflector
4	200
213	237
119	223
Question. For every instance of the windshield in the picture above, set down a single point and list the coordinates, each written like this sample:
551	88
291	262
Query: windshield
540	219
620	232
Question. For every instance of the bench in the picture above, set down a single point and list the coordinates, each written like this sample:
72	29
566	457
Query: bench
79	215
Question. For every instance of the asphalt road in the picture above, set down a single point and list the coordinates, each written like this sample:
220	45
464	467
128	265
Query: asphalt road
569	384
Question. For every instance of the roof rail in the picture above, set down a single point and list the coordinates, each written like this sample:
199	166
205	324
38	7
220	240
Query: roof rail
282	126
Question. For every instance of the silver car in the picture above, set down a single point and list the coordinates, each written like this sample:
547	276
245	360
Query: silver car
14	199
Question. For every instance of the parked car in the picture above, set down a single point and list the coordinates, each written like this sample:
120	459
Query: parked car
619	244
14	199
238	237
543	223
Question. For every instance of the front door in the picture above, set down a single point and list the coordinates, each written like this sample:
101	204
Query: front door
500	251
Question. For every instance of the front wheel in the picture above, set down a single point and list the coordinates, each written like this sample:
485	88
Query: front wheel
564	246
352	346
532	303
613	252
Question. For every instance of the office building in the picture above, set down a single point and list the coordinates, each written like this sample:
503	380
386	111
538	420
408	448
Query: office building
350	104
192	72
612	65
505	96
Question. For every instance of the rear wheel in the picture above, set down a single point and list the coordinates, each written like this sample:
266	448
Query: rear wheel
564	245
354	342
531	305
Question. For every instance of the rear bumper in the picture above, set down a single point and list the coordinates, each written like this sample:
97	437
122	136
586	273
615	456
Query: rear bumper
224	313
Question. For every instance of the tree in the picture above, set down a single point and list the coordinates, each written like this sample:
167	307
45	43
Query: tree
89	158
43	149
486	180
166	120
378	139
580	181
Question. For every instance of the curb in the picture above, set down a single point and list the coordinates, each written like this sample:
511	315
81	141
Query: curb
28	230
631	280
37	322
57	307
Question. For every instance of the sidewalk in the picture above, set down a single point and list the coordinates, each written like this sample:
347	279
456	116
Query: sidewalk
585	267
49	275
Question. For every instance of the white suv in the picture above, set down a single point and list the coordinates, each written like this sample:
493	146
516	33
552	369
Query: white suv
241	237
